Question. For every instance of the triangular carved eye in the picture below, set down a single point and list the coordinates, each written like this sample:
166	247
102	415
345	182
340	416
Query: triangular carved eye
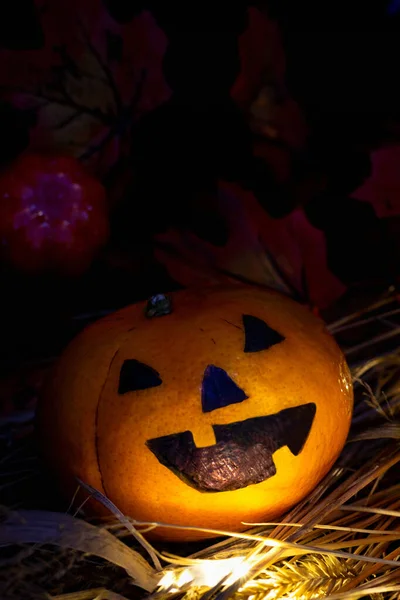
219	390
136	376
258	335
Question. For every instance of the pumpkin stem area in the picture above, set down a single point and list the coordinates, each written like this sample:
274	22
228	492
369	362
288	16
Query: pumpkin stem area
158	306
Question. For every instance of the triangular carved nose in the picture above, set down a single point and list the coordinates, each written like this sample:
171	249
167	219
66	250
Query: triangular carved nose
219	390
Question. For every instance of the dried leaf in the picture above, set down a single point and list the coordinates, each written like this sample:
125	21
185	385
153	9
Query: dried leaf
39	527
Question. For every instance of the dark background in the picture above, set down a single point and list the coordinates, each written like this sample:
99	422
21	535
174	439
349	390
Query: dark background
342	70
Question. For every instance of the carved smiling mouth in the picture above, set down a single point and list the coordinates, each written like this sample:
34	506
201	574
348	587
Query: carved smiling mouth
243	453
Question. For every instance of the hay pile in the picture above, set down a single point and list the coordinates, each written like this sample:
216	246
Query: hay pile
342	542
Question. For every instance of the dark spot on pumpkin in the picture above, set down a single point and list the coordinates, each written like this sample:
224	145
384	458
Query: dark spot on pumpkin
219	390
243	453
135	376
233	324
258	335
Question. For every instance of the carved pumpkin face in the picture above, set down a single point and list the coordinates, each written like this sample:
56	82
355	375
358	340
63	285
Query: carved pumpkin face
229	409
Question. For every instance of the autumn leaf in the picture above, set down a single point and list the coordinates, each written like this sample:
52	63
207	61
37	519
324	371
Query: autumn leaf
89	83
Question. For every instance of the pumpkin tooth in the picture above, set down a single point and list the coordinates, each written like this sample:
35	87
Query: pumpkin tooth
289	427
301	419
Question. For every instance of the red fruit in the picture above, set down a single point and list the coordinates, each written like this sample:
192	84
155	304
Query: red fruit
53	215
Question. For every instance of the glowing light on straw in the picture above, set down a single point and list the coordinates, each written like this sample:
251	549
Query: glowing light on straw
208	573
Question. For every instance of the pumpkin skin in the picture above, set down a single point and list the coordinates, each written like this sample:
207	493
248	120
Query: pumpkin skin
93	425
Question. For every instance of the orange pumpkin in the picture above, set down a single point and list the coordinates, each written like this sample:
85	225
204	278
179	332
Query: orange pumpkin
230	408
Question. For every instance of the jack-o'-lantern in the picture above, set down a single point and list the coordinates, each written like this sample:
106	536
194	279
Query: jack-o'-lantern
227	407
